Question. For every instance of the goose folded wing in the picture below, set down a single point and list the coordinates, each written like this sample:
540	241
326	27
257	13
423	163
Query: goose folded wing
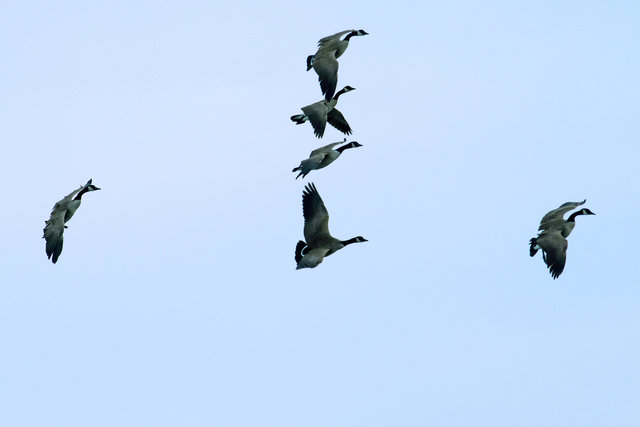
312	163
312	258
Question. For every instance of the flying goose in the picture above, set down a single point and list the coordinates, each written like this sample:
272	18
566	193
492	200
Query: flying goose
552	238
325	61
319	242
322	111
323	156
60	214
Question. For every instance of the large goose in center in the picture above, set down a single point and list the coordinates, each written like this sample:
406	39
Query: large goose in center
552	239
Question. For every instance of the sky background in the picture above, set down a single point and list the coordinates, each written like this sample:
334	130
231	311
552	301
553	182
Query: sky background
176	301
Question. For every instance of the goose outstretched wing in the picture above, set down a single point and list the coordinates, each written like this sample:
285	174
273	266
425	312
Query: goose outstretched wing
326	148
316	216
326	39
337	120
317	115
554	252
53	235
554	217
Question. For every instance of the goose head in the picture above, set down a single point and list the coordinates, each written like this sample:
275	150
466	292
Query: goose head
357	239
341	91
356	33
584	211
352	144
90	187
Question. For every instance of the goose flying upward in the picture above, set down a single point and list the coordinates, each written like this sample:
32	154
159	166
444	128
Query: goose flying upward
61	213
552	239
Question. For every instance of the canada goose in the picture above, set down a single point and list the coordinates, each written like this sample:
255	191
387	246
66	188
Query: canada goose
552	238
60	214
323	156
325	61
319	242
320	112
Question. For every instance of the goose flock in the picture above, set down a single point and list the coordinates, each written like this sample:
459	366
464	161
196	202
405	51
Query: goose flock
319	243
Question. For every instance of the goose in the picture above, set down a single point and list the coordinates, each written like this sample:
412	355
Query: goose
552	238
61	213
322	111
323	157
319	242
325	61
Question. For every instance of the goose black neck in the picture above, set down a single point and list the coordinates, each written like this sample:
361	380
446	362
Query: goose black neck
79	195
344	147
338	93
351	34
350	241
572	217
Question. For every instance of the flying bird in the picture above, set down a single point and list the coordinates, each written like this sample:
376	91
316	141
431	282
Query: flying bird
552	238
321	112
325	61
319	242
323	157
61	213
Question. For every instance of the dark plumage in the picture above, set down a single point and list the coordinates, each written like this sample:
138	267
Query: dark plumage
319	242
552	239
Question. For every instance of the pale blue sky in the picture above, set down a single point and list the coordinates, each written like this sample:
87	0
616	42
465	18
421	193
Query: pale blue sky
176	301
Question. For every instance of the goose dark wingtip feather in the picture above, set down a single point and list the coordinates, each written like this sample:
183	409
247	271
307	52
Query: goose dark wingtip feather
532	247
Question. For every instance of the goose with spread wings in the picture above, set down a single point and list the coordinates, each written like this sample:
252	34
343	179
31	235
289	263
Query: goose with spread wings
321	112
552	239
61	213
325	61
319	242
